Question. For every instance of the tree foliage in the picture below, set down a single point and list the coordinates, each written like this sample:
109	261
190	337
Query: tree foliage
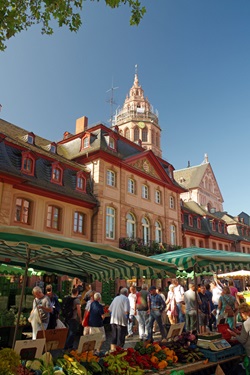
19	15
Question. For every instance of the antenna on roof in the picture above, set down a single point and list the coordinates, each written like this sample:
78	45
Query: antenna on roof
111	101
1	107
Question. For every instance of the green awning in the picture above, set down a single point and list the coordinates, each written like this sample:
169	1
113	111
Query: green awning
66	256
205	259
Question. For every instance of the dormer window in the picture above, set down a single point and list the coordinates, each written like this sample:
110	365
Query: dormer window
198	223
219	228
28	163
213	226
190	221
57	174
53	148
30	138
81	182
111	143
86	141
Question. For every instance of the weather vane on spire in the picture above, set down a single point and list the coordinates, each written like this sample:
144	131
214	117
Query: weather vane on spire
136	69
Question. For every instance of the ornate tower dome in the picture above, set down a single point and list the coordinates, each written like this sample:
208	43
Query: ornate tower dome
137	120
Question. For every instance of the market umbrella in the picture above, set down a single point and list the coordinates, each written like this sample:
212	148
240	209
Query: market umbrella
203	259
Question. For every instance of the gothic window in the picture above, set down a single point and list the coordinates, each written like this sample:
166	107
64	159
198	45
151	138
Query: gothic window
145	134
127	133
136	134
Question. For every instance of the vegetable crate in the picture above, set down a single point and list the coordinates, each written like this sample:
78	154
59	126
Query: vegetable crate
223	354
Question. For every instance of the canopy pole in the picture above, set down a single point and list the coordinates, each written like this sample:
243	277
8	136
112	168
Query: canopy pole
22	295
196	299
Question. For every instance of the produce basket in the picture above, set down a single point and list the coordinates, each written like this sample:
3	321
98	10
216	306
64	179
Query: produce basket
223	354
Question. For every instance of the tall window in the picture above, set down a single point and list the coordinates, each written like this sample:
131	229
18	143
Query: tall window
53	217
144	135
110	178
79	222
158	232
127	133
130	225
131	186
145	231
171	202
56	174
172	234
157	196
22	211
110	223
145	192
28	163
136	134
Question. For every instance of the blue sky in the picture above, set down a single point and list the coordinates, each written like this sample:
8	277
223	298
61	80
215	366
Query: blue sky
193	60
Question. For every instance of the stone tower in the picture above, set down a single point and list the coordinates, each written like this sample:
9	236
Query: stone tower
137	120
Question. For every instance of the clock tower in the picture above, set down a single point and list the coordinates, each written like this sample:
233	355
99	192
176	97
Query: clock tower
137	120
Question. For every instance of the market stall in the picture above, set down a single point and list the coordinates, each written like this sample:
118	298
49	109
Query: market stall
202	259
66	256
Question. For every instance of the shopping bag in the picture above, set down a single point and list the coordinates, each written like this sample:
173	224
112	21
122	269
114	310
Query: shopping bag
85	321
59	324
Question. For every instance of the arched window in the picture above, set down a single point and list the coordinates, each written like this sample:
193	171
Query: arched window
110	223
158	232
145	231
144	135
131	226
127	133
136	134
172	234
153	137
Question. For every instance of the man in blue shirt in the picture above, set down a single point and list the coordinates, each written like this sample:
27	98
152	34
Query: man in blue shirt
156	306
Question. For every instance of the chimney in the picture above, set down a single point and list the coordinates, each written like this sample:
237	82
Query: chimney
81	124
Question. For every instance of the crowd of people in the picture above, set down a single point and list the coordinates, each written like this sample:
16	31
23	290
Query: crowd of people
149	307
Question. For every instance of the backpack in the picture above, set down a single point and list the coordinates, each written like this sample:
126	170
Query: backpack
229	311
67	307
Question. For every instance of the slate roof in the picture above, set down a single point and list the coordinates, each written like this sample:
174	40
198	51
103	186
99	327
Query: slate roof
11	162
190	177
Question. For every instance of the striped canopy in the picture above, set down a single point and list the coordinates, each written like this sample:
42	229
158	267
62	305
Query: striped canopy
66	256
205	260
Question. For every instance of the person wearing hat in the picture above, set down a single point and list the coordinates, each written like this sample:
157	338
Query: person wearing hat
156	305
